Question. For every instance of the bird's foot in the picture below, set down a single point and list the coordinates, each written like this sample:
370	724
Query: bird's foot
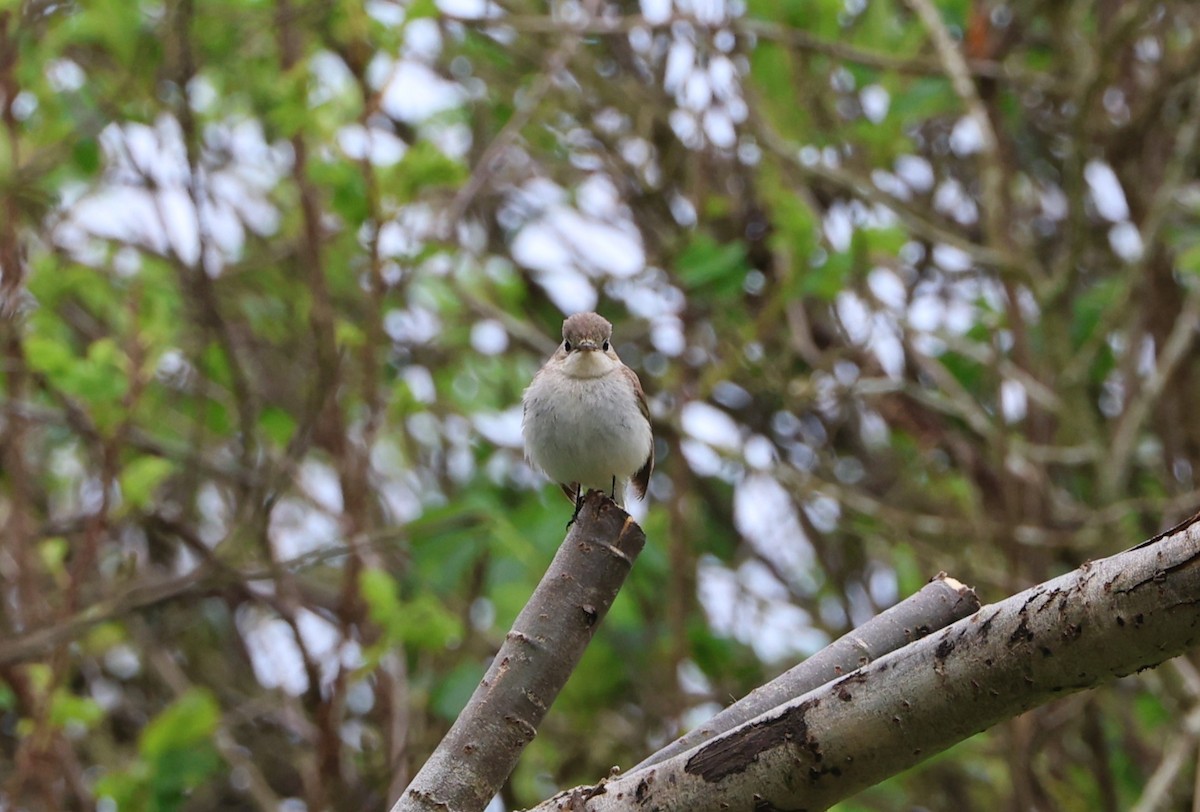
578	505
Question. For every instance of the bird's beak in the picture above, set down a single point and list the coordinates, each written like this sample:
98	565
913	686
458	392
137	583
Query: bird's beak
588	345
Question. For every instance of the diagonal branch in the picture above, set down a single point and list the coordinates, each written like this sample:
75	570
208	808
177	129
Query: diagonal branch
538	655
939	603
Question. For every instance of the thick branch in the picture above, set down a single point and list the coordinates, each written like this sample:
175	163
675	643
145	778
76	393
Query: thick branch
938	604
539	653
1104	620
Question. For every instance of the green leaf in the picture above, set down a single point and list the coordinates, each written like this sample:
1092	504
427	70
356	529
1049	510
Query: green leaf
99	380
348	187
86	155
1188	260
795	226
967	371
1150	710
348	334
452	693
126	789
382	595
422	621
176	756
421	8
178	772
424	167
774	77
53	552
1089	306
277	425
215	365
826	280
925	99
47	355
910	577
189	721
67	708
718	268
104	636
141	477
287	102
881	243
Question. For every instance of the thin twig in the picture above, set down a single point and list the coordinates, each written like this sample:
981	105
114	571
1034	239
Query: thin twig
1143	397
991	172
235	754
1156	794
489	161
853	186
794	38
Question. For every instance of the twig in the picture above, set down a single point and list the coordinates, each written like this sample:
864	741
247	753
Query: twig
953	396
921	226
1143	397
1157	792
33	644
488	163
235	754
794	38
956	70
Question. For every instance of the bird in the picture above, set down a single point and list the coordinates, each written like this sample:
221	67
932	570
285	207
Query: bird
584	420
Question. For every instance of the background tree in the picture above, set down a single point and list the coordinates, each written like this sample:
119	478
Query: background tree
912	287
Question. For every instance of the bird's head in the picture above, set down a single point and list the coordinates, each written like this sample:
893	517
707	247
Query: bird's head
586	349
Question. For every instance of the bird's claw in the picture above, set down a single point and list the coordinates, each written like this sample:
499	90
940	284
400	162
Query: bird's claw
578	505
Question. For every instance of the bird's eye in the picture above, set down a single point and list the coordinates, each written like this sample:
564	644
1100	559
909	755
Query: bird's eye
606	345
567	346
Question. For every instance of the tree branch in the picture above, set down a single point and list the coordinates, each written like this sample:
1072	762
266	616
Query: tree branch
991	172
793	38
148	592
1104	620
938	604
538	655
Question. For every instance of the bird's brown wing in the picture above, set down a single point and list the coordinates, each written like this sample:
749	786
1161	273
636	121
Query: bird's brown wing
641	480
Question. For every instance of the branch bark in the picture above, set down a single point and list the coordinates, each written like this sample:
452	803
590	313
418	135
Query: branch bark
538	655
1104	620
938	604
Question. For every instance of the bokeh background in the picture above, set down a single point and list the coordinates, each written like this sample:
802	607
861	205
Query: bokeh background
912	286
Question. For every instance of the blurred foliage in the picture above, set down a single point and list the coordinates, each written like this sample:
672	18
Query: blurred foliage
273	274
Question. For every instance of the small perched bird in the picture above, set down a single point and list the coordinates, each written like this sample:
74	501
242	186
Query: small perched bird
585	419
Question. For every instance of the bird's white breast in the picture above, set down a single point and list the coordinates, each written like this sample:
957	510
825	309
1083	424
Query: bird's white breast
586	429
